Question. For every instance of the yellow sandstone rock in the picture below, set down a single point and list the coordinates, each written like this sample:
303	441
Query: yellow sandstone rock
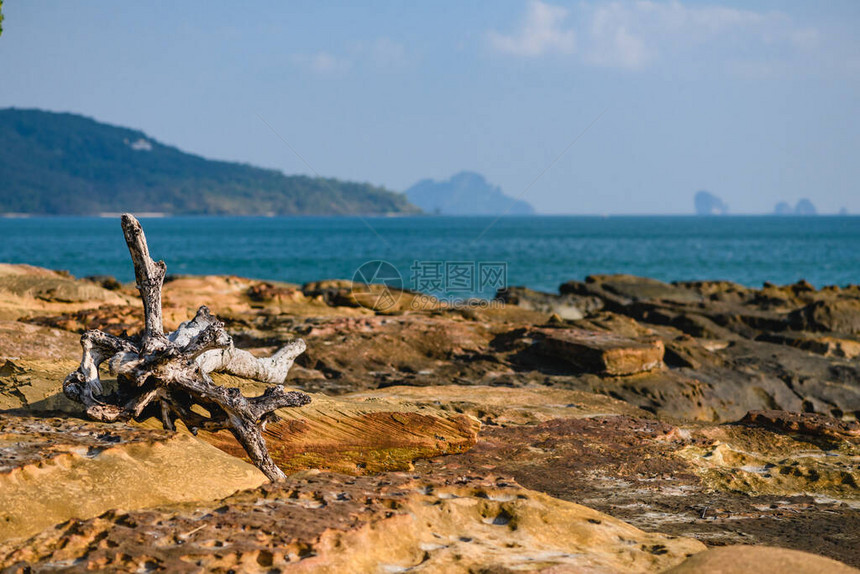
506	405
603	352
355	437
28	291
53	469
322	522
756	461
331	433
745	559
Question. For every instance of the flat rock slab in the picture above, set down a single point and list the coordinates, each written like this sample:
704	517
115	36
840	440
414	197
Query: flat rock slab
813	460
36	386
744	559
810	424
829	345
721	484
506	405
340	434
841	316
230	296
51	286
28	291
354	436
603	352
323	522
54	469
36	342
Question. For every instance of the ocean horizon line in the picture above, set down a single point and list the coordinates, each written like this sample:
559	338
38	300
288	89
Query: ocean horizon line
164	215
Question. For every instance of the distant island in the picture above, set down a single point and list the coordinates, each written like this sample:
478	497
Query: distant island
706	203
466	193
803	207
67	164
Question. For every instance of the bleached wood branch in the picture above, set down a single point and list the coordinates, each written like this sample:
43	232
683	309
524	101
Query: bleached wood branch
166	375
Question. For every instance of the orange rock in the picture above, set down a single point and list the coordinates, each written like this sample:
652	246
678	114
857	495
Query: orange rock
355	437
54	469
743	559
603	352
23	340
329	523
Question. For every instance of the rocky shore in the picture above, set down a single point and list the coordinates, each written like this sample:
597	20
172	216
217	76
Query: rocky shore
620	425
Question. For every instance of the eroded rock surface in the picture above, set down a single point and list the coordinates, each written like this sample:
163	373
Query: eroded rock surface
737	560
357	437
726	484
704	410
324	522
53	469
603	353
728	349
27	291
340	434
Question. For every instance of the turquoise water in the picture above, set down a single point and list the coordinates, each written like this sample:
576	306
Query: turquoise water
539	252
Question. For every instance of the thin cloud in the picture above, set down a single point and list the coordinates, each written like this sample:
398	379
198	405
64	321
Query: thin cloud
321	62
382	53
540	33
613	40
633	35
386	53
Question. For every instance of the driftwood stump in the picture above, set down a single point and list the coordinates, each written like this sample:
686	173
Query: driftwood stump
167	375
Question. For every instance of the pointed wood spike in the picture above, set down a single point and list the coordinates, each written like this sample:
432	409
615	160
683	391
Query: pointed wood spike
149	275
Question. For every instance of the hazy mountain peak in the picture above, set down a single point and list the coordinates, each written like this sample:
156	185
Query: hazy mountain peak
465	193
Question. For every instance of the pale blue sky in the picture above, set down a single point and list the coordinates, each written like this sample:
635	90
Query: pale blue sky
757	102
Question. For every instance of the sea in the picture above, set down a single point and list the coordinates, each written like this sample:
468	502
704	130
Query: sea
454	257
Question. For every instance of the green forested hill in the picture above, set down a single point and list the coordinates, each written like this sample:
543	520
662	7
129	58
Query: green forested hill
57	163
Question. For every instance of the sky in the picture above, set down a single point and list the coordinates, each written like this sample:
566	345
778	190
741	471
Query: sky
578	107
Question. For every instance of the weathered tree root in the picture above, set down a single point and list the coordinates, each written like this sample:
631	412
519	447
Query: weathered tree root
166	375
